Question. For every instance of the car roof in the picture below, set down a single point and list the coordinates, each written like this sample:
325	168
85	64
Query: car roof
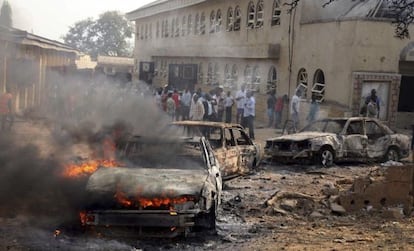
205	123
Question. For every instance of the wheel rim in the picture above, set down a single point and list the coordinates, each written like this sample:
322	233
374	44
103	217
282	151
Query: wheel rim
392	155
327	158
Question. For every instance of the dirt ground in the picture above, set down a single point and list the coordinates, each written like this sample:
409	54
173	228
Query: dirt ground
249	219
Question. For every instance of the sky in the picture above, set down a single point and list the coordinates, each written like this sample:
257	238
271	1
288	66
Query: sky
52	18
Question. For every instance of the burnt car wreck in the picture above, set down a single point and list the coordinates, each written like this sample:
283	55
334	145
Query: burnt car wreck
339	139
235	151
168	187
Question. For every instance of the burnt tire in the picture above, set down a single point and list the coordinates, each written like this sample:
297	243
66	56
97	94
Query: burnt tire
325	157
392	154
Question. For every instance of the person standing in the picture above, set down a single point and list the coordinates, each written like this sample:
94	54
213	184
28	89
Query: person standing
249	113
294	109
373	97
314	110
170	105
228	104
220	103
197	109
185	104
240	99
6	109
176	97
280	102
271	102
372	108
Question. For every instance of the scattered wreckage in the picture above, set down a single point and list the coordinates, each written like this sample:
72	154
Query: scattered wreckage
235	151
340	139
167	186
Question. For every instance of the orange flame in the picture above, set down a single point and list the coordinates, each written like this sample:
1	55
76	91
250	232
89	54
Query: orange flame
152	202
73	170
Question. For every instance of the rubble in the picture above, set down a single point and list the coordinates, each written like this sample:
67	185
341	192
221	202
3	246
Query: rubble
382	188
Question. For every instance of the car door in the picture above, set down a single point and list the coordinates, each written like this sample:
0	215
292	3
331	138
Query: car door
378	139
355	140
213	167
230	152
246	149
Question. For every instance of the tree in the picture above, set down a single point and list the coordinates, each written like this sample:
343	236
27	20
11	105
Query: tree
6	14
105	36
401	10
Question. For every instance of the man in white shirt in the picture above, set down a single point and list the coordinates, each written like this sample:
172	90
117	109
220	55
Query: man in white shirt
186	102
249	113
294	109
240	99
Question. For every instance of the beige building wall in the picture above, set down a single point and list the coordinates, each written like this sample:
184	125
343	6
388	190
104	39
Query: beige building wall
337	47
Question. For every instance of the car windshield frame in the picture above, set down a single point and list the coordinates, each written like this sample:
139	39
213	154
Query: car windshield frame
335	126
165	153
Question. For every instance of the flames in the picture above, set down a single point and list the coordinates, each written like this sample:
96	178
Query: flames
88	167
142	202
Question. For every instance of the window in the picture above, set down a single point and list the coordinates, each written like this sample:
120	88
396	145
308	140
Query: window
184	26
200	73
355	127
230	20
137	32
157	30
254	84
210	74
302	83
177	27
218	21
162	29
318	88
150	31
272	79
172	27
248	75
166	28
259	14
234	73
142	32
189	25
216	76
202	24
227	76
237	18
276	13
213	22
197	25
251	15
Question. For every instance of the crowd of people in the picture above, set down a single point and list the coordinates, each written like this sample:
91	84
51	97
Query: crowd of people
215	105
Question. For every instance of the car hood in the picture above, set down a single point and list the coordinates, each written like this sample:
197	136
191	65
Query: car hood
144	182
302	136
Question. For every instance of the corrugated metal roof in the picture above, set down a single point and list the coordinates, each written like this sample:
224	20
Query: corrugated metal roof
313	10
115	61
160	6
24	37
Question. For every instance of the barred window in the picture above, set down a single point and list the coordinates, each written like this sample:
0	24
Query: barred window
251	15
212	21
302	83
230	20
276	13
218	21
237	18
259	14
318	88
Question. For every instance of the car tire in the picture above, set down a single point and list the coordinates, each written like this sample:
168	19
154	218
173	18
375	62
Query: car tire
392	154
325	157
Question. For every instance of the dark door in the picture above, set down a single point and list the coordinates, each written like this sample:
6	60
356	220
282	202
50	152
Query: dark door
181	76
146	72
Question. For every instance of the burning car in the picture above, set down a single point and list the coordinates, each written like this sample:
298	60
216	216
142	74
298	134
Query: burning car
235	151
334	139
167	185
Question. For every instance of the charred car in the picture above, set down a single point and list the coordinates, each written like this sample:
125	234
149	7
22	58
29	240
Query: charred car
340	139
235	151
167	187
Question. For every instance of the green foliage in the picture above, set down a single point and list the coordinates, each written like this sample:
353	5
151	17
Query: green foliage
6	14
105	36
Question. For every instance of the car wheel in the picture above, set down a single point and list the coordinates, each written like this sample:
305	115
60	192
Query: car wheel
326	157
392	155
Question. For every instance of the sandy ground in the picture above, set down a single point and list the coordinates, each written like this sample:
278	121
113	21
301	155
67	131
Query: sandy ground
246	221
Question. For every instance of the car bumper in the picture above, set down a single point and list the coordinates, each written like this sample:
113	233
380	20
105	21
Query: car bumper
140	218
